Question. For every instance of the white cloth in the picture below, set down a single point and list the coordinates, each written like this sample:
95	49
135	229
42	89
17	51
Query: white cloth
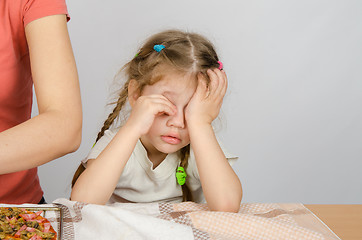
190	221
141	183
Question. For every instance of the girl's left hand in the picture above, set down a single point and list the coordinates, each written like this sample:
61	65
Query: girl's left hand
206	102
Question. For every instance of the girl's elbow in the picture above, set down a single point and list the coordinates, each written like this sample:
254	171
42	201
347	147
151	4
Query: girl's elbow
230	206
232	209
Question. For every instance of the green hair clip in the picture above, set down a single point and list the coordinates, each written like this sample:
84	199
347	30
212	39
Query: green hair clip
181	175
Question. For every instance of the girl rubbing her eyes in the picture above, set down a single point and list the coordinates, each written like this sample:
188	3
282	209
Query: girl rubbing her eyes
166	149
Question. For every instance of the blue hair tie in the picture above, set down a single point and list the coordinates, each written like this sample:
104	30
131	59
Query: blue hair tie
158	47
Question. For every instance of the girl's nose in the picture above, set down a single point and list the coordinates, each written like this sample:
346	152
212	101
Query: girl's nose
177	120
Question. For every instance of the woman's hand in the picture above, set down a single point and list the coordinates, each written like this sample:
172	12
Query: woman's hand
146	108
206	102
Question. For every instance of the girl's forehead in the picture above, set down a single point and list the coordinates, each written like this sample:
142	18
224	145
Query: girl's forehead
177	83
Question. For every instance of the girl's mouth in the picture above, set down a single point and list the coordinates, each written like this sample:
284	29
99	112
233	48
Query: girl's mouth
170	139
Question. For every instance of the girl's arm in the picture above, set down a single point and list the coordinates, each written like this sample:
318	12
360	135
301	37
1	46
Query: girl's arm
221	186
57	129
98	181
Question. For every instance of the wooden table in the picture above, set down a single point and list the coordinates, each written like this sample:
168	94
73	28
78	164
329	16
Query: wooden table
345	220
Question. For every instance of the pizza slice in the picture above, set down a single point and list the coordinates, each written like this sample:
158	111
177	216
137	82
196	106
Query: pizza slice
19	223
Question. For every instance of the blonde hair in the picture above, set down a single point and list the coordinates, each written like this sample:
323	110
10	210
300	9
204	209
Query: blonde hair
185	52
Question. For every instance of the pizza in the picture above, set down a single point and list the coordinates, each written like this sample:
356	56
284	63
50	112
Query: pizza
19	223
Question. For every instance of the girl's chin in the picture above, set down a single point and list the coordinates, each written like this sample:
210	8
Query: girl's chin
169	148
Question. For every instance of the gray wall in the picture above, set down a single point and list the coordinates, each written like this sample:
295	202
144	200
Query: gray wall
293	110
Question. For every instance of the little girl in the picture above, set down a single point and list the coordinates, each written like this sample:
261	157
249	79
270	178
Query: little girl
166	150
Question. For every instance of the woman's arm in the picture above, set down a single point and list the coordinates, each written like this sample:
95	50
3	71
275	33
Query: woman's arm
56	131
221	186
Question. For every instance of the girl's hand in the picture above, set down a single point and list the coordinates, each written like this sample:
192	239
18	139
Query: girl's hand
206	102
146	108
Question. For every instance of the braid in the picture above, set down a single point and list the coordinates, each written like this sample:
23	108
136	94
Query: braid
184	155
111	117
115	113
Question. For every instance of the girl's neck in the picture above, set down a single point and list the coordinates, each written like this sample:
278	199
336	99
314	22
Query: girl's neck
155	156
156	159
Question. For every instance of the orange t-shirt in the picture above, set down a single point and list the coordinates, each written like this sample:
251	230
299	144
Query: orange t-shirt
16	85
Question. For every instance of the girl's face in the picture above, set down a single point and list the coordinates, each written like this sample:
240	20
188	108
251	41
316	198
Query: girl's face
169	134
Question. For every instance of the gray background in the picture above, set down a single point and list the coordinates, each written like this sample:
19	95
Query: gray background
293	110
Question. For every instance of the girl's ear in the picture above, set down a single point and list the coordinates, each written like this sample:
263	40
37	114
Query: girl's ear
133	91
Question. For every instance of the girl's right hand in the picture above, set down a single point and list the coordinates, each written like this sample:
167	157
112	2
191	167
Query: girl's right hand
145	109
